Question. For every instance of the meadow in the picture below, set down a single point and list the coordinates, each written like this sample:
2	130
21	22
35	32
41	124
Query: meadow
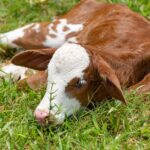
108	126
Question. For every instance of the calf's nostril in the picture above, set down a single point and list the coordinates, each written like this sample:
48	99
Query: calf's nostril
41	116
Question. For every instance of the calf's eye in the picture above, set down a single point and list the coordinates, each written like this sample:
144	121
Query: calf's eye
80	83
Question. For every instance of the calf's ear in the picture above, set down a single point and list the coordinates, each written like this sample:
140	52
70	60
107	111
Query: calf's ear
109	78
35	59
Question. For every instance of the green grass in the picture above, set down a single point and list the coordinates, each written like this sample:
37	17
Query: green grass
110	126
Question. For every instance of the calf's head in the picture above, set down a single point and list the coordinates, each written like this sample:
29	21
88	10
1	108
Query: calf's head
75	78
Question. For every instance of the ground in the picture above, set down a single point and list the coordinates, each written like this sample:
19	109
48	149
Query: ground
109	126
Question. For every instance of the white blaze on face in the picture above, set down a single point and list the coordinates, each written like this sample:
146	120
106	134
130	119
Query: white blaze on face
68	62
9	37
60	34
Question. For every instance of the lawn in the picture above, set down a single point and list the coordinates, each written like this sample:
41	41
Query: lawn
109	126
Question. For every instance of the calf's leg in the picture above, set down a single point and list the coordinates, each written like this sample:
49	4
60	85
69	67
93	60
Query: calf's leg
30	36
143	86
15	72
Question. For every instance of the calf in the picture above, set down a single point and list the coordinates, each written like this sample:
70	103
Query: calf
109	54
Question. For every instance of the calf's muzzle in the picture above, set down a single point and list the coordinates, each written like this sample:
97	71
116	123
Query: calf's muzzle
41	116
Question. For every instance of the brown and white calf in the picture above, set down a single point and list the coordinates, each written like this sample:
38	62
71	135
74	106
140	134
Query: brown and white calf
109	51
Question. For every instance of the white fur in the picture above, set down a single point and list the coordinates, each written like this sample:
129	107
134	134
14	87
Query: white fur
37	27
9	37
68	62
73	40
60	34
16	72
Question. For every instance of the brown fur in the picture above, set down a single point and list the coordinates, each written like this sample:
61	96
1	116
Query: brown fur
33	39
118	42
121	38
65	28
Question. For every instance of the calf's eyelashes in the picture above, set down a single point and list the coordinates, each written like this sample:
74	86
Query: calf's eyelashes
80	83
77	83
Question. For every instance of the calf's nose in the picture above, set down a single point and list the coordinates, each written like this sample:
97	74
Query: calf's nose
41	116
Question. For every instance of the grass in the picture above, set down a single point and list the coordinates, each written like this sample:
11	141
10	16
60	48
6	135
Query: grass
109	126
